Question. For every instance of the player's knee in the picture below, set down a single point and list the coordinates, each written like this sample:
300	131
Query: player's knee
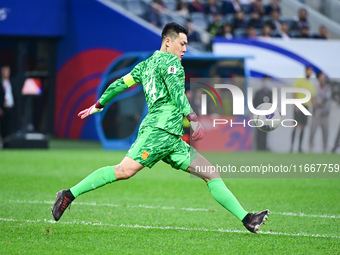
128	174
123	173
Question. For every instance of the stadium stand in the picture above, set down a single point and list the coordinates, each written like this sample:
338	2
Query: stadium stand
200	14
137	7
170	5
290	9
329	8
199	19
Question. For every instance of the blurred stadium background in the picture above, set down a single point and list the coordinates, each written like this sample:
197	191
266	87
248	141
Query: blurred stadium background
63	54
70	51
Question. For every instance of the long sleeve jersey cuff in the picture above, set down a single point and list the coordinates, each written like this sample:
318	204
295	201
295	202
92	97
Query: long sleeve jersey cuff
99	105
187	111
113	90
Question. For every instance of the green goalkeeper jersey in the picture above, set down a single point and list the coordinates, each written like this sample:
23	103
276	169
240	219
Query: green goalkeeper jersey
163	78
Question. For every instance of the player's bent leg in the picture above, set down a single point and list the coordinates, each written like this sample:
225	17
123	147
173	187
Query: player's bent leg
202	168
124	170
127	168
218	189
95	180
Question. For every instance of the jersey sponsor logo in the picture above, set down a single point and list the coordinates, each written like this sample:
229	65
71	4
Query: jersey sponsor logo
145	155
172	69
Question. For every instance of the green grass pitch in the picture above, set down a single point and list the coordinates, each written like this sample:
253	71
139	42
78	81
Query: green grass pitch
160	210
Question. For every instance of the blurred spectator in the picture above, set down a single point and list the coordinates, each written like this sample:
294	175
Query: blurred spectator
323	33
321	108
157	8
193	36
337	141
251	32
336	98
266	31
238	21
263	95
196	6
255	20
7	114
228	31
302	20
274	5
305	32
2	111
257	6
211	7
274	21
182	9
299	116
232	6
216	27
246	1
158	4
283	32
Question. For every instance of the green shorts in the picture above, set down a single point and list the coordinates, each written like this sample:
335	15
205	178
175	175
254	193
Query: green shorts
154	144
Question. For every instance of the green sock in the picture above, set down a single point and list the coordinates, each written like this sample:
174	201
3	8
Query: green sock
95	180
222	195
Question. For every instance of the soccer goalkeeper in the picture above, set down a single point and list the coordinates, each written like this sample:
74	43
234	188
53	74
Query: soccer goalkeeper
159	137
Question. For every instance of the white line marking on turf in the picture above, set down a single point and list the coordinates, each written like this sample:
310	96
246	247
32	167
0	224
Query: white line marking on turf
307	215
115	205
300	214
168	228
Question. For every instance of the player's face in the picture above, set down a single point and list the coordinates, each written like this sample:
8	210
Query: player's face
179	46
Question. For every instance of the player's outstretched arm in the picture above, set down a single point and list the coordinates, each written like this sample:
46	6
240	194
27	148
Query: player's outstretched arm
196	127
113	90
97	107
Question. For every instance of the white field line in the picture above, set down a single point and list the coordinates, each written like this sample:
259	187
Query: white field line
168	228
300	214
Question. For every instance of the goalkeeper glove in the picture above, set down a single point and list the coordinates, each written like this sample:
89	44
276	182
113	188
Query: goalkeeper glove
196	126
97	107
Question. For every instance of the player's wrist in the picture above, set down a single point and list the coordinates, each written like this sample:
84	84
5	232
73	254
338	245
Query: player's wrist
192	117
99	105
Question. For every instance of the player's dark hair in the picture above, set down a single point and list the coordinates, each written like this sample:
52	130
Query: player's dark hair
172	30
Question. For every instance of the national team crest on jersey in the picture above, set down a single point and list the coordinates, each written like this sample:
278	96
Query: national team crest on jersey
145	155
172	69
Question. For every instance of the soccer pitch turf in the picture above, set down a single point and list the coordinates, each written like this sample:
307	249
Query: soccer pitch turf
160	210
